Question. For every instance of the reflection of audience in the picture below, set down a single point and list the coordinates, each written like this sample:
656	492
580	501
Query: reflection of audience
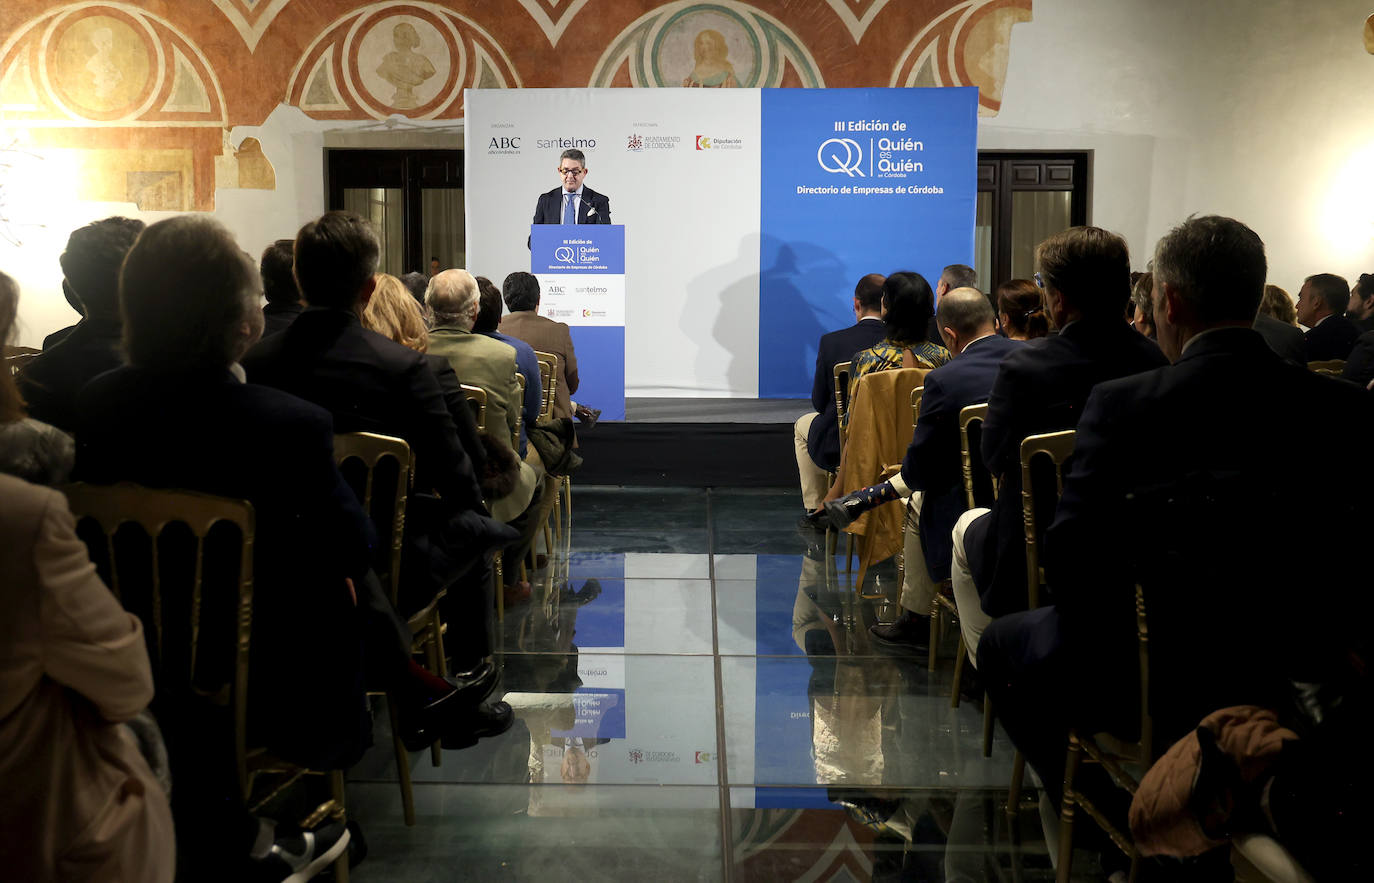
405	68
713	68
79	801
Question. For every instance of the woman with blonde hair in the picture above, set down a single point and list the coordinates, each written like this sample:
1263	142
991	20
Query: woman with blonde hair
1277	304
29	449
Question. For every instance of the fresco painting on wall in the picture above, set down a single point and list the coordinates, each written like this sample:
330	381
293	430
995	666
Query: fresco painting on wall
137	90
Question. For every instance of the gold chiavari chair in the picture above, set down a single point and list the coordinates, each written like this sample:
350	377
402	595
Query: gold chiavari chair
901	556
980	488
1329	367
388	511
477	400
1118	758
188	661
843	372
548	379
16	357
548	374
520	411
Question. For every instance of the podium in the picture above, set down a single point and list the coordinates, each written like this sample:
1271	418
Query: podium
581	271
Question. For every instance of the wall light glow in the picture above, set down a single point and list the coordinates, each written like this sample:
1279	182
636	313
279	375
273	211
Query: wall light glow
1347	214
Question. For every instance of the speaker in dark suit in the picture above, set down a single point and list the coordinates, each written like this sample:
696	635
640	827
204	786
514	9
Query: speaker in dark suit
584	203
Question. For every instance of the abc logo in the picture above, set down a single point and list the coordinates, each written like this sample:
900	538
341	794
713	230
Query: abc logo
504	143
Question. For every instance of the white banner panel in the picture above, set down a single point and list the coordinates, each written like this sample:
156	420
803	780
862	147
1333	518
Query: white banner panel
682	170
583	300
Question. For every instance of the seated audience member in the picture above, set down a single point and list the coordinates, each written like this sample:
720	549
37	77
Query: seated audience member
395	315
521	292
933	466
1143	311
29	449
951	277
1276	321
453	299
816	435
1360	309
1021	310
907	302
90	267
79	801
1321	307
1278	305
314	545
416	283
1181	520
526	362
279	287
1084	272
371	384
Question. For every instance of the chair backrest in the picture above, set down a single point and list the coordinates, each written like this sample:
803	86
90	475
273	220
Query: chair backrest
548	378
843	370
138	573
1056	448
388	510
17	361
519	411
916	405
477	400
979	485
1331	367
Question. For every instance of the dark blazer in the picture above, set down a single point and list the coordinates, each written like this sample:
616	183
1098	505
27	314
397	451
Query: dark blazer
593	207
823	441
58	336
370	384
1284	339
1332	338
277	317
1040	388
210	433
933	463
50	383
1359	368
1169	487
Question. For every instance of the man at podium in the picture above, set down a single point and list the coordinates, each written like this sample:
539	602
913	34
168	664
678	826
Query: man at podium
573	203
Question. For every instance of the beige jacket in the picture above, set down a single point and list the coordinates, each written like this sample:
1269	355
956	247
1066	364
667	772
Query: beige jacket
78	801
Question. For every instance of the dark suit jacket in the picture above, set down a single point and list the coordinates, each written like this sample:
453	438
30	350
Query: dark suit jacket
370	384
1359	368
50	383
823	441
933	463
1284	339
593	207
1169	487
277	317
1332	338
1040	388
210	433
547	336
58	336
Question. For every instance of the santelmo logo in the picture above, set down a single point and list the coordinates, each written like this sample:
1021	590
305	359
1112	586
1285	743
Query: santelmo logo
703	142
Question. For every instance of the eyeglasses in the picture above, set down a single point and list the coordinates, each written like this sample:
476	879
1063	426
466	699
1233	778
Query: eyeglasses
573	172
1039	283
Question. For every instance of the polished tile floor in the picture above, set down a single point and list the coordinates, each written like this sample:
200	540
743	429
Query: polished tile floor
696	699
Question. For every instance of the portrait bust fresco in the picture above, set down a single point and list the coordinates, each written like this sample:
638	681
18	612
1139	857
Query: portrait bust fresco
405	68
713	68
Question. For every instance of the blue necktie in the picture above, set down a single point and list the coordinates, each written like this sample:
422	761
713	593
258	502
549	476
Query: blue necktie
569	209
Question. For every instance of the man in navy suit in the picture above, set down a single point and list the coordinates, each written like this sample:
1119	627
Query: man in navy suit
816	435
1169	490
573	202
1086	275
932	466
1321	307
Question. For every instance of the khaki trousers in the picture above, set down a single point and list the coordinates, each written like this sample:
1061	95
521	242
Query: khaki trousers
918	589
815	481
972	619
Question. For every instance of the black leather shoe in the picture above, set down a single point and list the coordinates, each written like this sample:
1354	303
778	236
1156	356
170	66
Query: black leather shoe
420	727
813	521
910	632
843	511
587	416
487	719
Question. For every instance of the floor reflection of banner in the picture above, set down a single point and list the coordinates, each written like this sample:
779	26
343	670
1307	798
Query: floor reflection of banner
856	181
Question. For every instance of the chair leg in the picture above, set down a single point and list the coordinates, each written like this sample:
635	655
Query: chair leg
958	672
934	645
336	783
1066	810
849	554
433	654
402	764
1018	775
987	725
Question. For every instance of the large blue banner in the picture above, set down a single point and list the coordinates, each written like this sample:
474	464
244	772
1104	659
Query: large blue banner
855	181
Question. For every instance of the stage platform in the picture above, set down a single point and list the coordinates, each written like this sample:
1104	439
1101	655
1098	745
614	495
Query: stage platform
695	443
